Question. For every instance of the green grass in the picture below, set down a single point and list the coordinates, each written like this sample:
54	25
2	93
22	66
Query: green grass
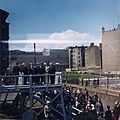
87	75
75	75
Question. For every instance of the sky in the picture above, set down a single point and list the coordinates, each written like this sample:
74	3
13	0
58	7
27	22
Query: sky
59	23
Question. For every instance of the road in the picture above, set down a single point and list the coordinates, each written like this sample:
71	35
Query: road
104	81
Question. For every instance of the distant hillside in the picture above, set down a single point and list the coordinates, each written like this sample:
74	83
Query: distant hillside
56	56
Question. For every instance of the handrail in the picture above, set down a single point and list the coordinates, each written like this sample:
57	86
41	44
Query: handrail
2	76
57	78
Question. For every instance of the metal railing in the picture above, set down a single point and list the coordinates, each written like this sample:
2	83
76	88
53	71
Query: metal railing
36	80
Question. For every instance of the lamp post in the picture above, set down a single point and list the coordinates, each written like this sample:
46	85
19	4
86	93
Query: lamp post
34	53
115	62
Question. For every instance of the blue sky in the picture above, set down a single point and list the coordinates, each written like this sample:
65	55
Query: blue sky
55	16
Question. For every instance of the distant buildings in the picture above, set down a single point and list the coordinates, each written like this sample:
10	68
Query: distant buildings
93	57
76	57
4	37
105	57
85	58
111	50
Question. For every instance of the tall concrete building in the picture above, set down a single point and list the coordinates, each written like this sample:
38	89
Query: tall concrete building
76	57
93	57
4	37
111	50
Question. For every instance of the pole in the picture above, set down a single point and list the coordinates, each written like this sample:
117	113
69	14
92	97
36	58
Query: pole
31	97
34	53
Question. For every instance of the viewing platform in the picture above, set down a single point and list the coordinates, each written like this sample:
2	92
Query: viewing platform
12	86
17	89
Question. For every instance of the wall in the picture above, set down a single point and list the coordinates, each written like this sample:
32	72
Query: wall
111	50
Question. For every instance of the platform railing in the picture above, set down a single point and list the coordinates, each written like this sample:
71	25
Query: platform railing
36	80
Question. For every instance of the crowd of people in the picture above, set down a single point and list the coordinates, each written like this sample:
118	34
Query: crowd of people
37	71
72	96
91	104
95	82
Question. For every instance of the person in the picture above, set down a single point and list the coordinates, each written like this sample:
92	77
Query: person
47	67
47	110
35	72
82	82
16	71
115	110
108	114
118	112
30	69
98	106
51	71
86	83
86	93
94	82
86	116
98	82
92	110
24	71
38	72
119	117
8	73
42	74
101	108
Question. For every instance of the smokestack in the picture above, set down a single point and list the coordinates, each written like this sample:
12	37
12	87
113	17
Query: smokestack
34	53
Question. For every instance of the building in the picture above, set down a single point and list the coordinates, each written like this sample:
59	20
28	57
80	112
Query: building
111	50
76	57
59	57
93	57
4	37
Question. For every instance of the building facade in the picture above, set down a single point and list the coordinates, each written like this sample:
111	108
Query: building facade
76	57
93	57
4	37
111	50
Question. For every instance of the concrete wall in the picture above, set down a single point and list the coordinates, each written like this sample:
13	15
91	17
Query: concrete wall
92	56
111	50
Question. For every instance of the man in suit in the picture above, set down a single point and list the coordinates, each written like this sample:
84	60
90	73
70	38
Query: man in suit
16	70
52	72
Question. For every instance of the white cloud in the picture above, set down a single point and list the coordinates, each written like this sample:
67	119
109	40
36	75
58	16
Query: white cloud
58	40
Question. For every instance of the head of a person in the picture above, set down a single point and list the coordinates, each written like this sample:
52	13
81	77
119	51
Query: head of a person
23	64
116	103
50	64
17	64
48	102
108	107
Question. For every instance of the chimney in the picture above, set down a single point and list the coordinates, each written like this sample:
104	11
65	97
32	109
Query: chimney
103	29
91	44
